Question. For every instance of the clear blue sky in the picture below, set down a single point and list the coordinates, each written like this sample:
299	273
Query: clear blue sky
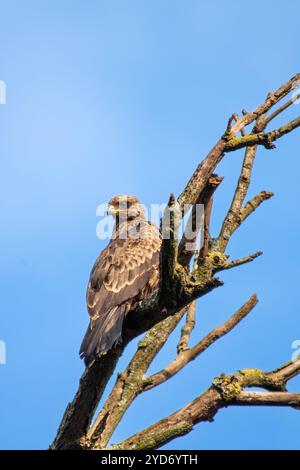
107	97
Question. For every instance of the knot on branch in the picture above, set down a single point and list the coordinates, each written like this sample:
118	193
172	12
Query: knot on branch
213	262
230	386
217	259
233	143
268	143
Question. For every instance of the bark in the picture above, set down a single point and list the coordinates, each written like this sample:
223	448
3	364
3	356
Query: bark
225	391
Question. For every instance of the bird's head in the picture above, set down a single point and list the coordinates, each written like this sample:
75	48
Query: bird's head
125	207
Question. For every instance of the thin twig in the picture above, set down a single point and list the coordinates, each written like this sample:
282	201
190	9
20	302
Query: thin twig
272	99
280	110
187	328
239	262
190	354
254	203
267	399
238	198
288	371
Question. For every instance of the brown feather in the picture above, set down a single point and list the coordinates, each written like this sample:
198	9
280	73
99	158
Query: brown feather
125	271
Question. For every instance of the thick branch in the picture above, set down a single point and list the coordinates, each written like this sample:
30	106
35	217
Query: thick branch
80	411
187	328
202	174
208	204
129	383
178	424
226	390
187	245
169	250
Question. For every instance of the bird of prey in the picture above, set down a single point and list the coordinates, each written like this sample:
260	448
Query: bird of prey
125	272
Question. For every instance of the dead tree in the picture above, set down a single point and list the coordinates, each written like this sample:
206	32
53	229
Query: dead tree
180	287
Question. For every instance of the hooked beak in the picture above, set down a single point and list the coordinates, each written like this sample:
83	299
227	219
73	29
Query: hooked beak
111	210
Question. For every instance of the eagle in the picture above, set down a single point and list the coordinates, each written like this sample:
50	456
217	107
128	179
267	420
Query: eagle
124	273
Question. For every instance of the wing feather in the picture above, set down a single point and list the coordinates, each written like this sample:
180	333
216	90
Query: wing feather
127	267
122	270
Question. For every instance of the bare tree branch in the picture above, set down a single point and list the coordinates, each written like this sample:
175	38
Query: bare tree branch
236	218
204	170
226	390
208	203
267	399
178	424
288	371
261	138
187	328
280	110
272	99
238	198
80	411
187	245
239	262
254	203
188	355
129	383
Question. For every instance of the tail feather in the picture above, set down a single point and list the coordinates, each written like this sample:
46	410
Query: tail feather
102	334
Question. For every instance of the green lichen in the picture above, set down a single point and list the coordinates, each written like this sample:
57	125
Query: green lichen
217	259
203	273
251	375
214	260
228	385
259	378
155	438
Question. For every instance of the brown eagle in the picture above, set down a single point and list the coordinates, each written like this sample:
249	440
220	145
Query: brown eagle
124	273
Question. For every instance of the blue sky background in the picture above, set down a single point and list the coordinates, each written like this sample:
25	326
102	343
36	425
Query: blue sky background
107	97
